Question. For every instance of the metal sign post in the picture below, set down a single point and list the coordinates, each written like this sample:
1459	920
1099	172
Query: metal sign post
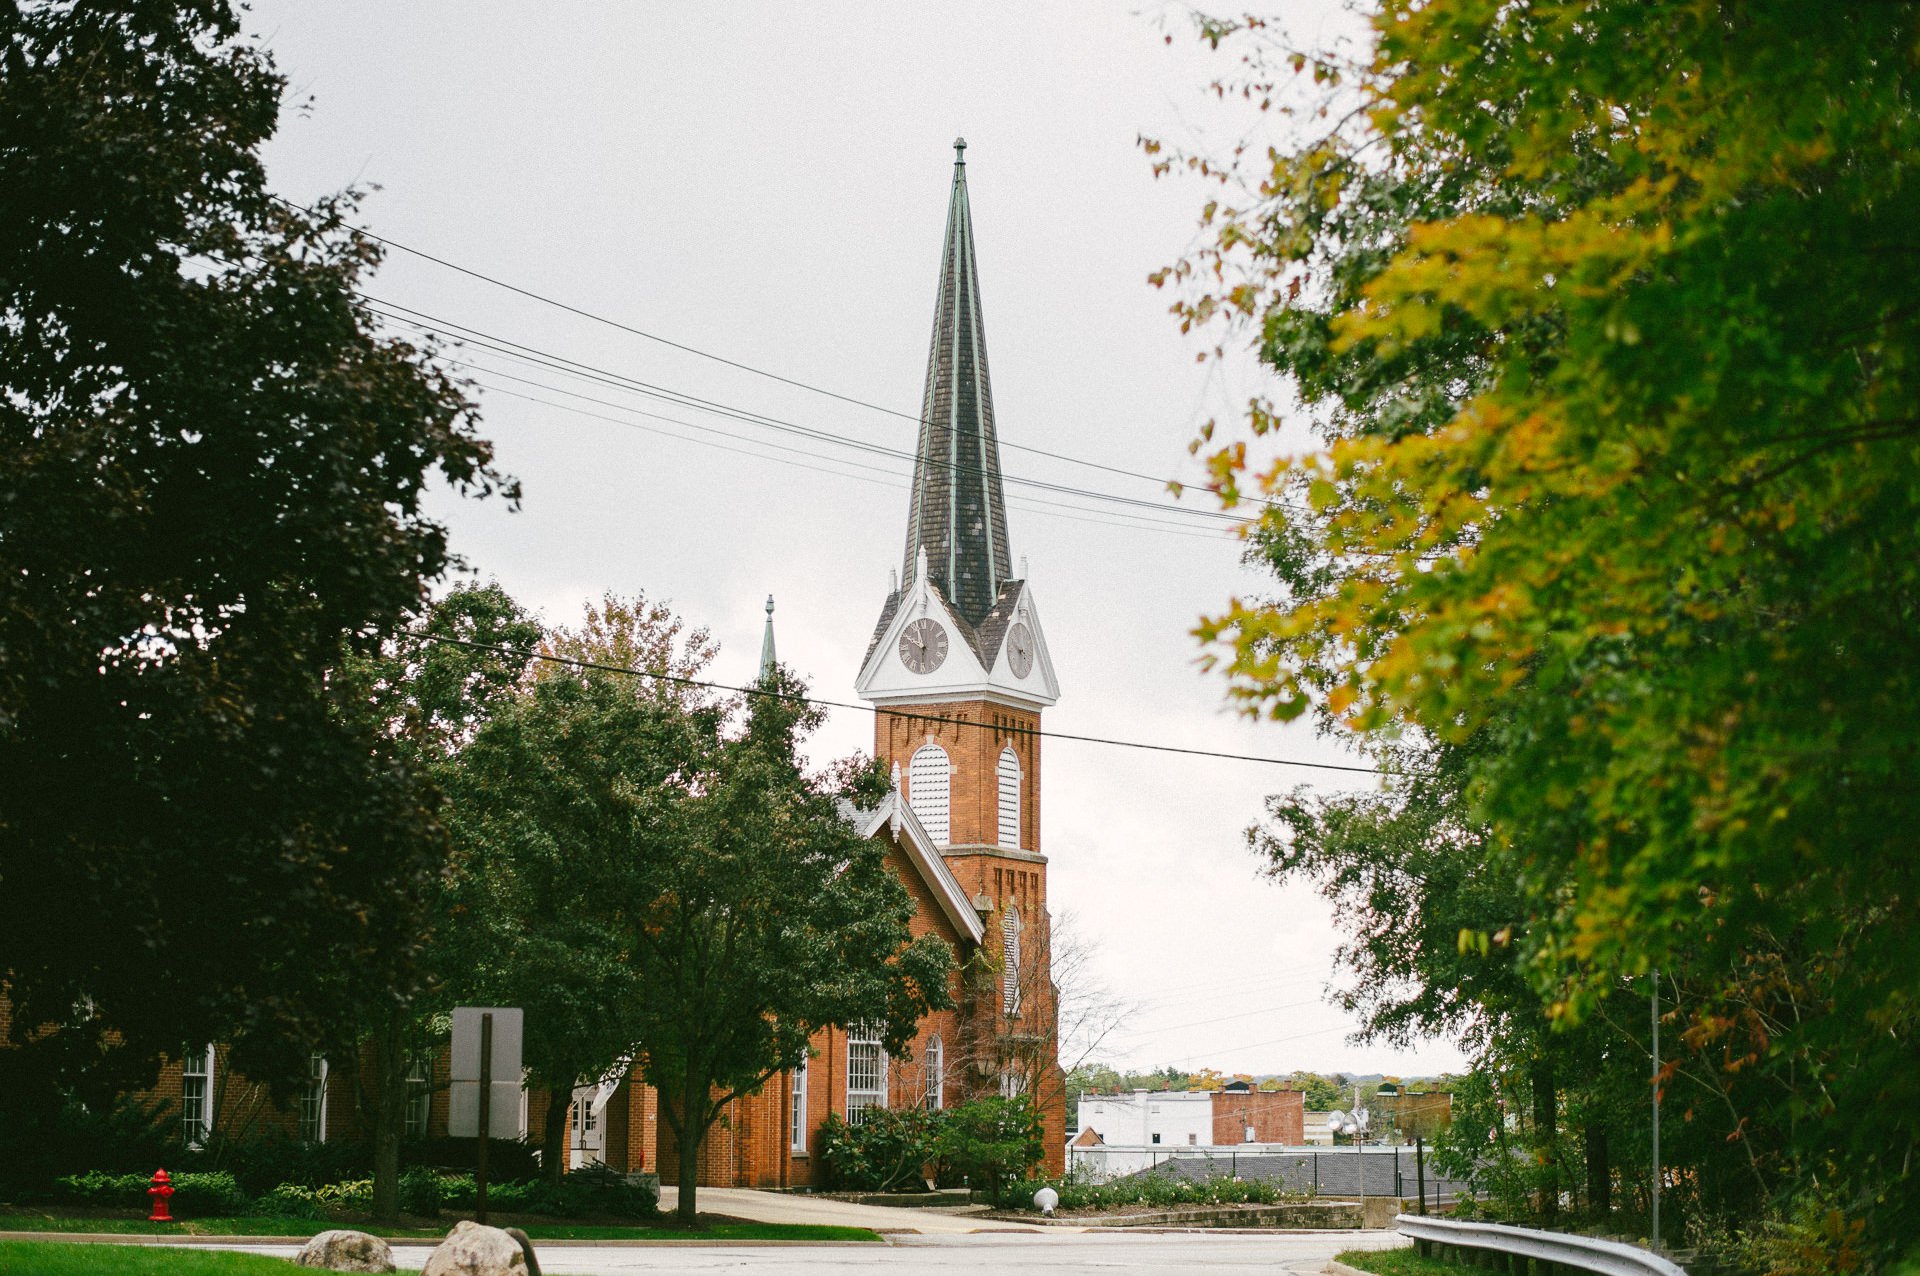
486	1088
486	1045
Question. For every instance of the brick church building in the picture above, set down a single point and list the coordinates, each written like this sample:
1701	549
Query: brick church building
958	673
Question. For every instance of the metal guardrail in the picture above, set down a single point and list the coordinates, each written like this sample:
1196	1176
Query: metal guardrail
1573	1253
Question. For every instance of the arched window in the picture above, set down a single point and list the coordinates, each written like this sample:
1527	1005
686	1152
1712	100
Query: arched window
929	777
1010	961
936	1061
1009	798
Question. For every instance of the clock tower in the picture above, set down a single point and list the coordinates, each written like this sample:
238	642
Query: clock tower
959	673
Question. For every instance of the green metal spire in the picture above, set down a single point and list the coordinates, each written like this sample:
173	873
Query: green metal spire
767	661
958	513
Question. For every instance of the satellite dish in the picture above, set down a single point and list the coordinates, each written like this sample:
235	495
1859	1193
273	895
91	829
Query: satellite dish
1337	1121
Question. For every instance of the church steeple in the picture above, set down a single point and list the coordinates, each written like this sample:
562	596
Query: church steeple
767	660
958	513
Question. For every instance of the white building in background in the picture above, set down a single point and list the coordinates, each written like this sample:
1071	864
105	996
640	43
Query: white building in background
1148	1118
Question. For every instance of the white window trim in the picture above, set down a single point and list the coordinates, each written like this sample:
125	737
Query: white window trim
419	1097
315	1083
196	1137
797	1112
935	1055
865	1035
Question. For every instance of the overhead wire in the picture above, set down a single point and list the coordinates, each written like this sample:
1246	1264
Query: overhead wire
1031	504
905	715
439	326
685	348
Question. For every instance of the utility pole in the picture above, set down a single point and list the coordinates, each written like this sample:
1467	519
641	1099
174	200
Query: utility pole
1656	1111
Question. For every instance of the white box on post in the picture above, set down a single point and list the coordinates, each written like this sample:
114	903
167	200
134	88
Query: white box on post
463	1093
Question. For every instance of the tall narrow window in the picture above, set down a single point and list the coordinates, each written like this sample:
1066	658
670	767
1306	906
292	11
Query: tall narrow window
928	779
1009	798
866	1070
419	1095
797	1117
1010	961
196	1095
313	1101
936	1061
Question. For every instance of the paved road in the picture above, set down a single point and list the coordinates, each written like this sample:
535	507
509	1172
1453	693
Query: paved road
1003	1254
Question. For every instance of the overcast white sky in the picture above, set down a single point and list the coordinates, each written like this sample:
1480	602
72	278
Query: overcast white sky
768	182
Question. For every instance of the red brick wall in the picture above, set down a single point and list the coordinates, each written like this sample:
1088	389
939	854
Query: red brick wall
1277	1116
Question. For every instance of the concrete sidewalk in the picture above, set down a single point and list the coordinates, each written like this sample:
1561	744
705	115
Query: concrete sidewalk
792	1207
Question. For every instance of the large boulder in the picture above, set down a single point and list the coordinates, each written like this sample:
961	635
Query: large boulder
473	1250
345	1251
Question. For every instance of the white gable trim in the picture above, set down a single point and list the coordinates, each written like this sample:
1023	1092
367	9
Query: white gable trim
926	860
885	680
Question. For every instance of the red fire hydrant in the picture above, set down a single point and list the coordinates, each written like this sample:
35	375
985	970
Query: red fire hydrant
162	1188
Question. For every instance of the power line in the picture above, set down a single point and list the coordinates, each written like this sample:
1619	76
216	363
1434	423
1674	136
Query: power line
436	326
1031	504
676	679
853	400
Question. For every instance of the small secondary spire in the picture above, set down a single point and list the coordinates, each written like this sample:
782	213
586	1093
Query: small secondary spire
767	661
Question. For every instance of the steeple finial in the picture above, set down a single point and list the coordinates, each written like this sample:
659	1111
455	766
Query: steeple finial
767	661
958	511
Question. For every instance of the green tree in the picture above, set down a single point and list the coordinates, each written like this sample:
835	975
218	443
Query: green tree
570	795
767	918
430	689
991	1142
1602	311
213	488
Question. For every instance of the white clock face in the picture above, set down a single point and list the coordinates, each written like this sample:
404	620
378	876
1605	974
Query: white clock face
923	646
1020	650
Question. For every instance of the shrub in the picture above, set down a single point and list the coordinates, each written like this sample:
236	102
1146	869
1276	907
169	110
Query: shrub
421	1192
263	1161
288	1200
596	1191
1159	1191
993	1142
202	1195
887	1150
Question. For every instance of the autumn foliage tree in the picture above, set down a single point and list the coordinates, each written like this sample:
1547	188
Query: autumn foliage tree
1606	317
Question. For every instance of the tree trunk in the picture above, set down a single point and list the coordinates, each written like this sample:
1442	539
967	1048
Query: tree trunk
553	1149
1546	1136
692	1132
1599	1172
388	1048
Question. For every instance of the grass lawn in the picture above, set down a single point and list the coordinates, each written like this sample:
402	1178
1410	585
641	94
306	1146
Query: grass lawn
1398	1262
38	1258
718	1229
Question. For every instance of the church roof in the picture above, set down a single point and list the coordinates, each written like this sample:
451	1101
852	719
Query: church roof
958	510
893	813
